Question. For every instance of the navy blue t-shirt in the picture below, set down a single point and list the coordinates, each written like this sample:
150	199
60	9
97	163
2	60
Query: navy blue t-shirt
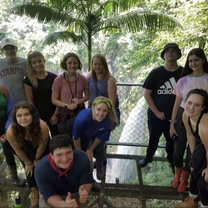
85	127
162	83
49	184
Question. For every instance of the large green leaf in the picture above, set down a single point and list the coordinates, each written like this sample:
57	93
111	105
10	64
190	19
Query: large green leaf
139	20
43	12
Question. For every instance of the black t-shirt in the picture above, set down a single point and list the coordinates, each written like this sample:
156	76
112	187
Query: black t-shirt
162	83
42	96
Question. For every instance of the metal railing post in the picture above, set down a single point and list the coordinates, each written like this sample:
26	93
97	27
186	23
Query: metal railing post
142	193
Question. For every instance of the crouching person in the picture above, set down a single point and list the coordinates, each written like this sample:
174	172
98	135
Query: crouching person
63	174
28	135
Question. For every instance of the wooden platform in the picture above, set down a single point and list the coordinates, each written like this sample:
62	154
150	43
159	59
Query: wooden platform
138	191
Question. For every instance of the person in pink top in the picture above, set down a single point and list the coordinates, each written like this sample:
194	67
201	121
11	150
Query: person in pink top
69	92
194	75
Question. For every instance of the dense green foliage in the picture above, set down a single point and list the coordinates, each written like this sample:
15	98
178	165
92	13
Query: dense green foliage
84	19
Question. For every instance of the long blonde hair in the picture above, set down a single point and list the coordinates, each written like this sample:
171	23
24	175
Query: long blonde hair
30	71
111	114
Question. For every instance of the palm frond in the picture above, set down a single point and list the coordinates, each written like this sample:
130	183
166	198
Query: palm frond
62	4
108	7
63	36
81	6
126	5
117	6
138	20
43	12
65	4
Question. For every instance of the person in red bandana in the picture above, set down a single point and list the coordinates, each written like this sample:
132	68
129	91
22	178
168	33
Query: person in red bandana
63	177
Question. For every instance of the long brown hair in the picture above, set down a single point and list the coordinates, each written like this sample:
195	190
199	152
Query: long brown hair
199	53
34	128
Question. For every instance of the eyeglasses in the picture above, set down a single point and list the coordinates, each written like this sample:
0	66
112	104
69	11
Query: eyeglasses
9	47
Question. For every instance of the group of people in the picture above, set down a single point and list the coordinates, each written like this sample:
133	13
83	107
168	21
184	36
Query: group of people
177	101
45	123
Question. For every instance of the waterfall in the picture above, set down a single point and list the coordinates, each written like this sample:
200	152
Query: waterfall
134	131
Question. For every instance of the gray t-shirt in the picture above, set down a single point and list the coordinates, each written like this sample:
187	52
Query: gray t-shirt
11	77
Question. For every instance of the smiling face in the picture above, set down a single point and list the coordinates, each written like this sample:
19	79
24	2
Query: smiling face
196	63
194	105
72	64
38	64
10	52
23	117
63	157
99	112
97	66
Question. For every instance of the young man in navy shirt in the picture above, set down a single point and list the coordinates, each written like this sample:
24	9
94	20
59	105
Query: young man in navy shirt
62	173
158	88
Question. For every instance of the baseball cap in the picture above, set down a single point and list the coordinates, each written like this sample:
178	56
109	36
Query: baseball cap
8	41
171	45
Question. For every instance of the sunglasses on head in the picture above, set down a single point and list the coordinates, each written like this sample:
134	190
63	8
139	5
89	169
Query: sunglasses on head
9	47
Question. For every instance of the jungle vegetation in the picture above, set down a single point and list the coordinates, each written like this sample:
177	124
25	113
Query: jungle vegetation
130	33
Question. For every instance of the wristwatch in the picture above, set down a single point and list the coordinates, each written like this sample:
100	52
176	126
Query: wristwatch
65	106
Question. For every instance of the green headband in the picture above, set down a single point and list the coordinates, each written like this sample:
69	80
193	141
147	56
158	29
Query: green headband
98	101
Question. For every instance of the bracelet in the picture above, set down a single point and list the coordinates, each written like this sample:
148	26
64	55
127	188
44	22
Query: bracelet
29	163
172	121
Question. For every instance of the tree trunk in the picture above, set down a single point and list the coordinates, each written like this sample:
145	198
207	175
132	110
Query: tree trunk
89	47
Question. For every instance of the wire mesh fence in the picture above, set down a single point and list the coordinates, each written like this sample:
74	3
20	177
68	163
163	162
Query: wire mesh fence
133	122
130	139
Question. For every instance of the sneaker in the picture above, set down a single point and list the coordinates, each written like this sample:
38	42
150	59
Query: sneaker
189	202
143	162
96	186
100	170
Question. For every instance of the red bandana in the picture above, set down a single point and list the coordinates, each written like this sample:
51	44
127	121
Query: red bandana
59	171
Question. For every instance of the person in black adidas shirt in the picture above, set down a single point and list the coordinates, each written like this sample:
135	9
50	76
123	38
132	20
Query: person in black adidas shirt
158	88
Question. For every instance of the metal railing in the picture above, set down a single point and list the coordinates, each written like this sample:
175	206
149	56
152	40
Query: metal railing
127	143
